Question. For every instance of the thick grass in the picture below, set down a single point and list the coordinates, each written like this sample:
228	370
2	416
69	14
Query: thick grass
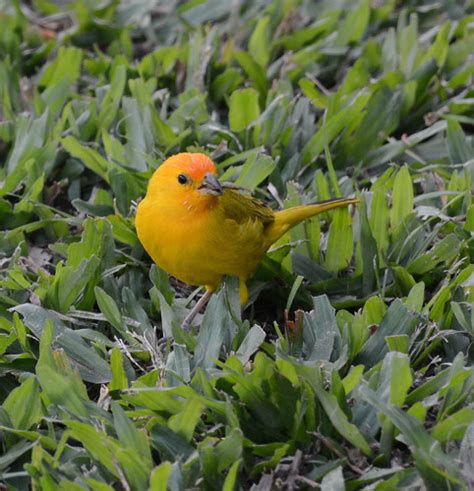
352	365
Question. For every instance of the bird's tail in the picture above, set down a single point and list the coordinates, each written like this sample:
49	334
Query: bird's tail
286	219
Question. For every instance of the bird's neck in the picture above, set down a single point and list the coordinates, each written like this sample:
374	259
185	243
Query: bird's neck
186	206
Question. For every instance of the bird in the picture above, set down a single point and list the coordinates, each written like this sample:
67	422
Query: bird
199	230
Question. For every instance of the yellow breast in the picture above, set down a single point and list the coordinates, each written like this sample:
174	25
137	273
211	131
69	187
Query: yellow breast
199	246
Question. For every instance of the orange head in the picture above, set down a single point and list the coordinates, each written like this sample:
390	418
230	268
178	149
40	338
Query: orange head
185	178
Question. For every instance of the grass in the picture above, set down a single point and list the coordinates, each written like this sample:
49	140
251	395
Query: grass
352	366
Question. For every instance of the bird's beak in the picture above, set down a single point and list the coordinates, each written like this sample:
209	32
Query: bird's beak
210	185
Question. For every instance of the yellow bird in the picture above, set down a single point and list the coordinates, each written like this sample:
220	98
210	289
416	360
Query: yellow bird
199	230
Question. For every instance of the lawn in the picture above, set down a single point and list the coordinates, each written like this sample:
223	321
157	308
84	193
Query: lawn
351	367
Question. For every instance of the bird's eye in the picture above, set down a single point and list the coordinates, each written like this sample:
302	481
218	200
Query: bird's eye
182	179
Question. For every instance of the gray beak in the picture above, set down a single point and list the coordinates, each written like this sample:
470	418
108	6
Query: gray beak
210	185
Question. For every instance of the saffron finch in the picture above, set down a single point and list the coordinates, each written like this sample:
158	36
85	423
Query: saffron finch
199	230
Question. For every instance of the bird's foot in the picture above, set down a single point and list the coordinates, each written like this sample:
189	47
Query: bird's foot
164	341
186	325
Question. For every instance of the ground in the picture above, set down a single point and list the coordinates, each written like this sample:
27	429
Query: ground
352	365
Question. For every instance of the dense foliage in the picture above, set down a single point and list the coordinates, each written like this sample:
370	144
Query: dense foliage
352	367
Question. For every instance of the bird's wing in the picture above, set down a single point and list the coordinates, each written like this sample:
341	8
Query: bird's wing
242	207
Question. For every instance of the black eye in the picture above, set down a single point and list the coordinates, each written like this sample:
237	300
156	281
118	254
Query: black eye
182	179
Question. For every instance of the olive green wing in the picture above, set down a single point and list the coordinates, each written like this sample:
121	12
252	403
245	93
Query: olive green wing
242	207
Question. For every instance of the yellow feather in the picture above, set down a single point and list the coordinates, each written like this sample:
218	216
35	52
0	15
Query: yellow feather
286	219
201	234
